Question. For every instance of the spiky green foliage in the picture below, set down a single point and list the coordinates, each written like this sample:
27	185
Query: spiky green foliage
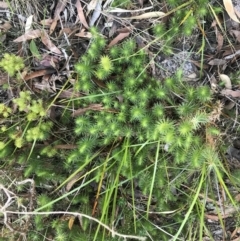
11	63
26	136
106	64
136	143
138	119
5	111
159	30
184	21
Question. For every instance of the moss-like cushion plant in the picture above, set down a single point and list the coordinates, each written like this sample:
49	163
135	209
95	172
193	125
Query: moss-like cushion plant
147	133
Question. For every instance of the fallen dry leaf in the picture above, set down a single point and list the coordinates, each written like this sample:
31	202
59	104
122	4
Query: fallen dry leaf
73	180
232	93
65	30
71	222
218	34
230	10
67	94
121	10
118	38
48	61
84	34
125	30
81	111
39	73
46	40
59	8
147	15
217	62
226	80
81	14
28	36
211	217
28	24
219	39
66	146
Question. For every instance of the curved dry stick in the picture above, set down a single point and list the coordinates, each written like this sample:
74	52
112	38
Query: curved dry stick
114	233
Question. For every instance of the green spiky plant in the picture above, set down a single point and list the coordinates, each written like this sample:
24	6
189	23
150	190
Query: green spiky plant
134	132
12	64
20	134
148	135
26	127
139	142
